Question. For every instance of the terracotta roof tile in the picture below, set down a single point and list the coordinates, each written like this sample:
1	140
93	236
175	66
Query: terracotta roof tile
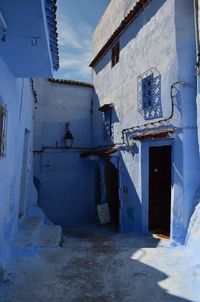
70	82
53	35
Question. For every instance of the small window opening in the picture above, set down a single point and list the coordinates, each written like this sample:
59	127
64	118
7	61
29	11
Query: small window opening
115	54
108	123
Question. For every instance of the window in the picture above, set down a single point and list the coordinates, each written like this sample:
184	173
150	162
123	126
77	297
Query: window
115	54
149	94
147	91
108	123
2	129
106	110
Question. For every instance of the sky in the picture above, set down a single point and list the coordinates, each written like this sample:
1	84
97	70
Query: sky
77	20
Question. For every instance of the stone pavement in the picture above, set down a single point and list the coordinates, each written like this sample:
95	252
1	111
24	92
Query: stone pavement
95	264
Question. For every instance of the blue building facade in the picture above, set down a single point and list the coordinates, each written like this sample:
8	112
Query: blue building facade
28	48
152	89
66	182
136	128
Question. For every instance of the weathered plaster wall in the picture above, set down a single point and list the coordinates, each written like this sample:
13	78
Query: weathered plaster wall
17	96
110	20
66	180
58	104
157	38
139	52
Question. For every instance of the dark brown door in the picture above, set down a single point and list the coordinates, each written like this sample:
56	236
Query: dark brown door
112	189
160	189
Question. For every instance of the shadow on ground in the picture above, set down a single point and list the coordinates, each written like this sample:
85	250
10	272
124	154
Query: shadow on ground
94	264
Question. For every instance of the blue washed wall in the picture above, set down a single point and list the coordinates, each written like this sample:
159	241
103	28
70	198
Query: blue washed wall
143	45
20	58
186	53
67	188
24	22
66	180
17	96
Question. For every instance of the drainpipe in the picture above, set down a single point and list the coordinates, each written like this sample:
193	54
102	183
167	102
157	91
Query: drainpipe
173	86
91	122
196	17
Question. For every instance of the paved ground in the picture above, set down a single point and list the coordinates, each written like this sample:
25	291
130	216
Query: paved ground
97	265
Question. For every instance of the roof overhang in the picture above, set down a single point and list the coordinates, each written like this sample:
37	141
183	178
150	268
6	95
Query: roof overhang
99	153
106	107
27	49
70	82
154	134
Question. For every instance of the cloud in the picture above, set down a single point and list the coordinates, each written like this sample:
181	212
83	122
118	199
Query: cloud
76	65
78	35
75	48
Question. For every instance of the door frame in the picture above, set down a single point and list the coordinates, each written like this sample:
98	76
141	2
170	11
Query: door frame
24	172
145	179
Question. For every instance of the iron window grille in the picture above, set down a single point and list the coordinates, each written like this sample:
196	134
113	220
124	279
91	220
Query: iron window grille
149	94
147	84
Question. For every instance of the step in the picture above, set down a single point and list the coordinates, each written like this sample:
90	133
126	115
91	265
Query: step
33	234
49	236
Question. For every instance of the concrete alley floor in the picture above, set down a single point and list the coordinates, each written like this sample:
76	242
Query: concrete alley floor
95	264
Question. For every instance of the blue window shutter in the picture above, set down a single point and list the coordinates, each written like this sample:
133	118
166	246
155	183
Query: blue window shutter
108	123
147	95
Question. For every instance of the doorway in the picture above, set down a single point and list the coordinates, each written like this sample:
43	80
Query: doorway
24	174
112	189
160	190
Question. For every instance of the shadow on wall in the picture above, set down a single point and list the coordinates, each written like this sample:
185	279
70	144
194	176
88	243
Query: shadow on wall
67	189
131	206
131	32
103	132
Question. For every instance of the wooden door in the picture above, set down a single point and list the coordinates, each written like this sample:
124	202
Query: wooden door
160	189
112	190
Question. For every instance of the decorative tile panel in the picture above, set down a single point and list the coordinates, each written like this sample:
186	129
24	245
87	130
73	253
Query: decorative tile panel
149	94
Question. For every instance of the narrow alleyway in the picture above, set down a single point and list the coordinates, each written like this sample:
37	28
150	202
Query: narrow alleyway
95	264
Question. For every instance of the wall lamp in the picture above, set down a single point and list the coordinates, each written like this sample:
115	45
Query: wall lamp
68	137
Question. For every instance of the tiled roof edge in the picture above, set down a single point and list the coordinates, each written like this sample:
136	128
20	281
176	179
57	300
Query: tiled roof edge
70	82
51	9
130	17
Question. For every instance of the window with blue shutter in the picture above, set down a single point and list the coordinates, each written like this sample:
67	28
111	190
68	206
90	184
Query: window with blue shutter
108	123
149	94
147	84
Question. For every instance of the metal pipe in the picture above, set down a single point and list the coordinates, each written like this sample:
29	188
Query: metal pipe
160	121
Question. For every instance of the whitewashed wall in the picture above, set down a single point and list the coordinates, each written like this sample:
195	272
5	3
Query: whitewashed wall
110	20
162	36
143	45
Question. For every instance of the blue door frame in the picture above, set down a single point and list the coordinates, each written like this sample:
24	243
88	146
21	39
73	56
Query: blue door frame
145	178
